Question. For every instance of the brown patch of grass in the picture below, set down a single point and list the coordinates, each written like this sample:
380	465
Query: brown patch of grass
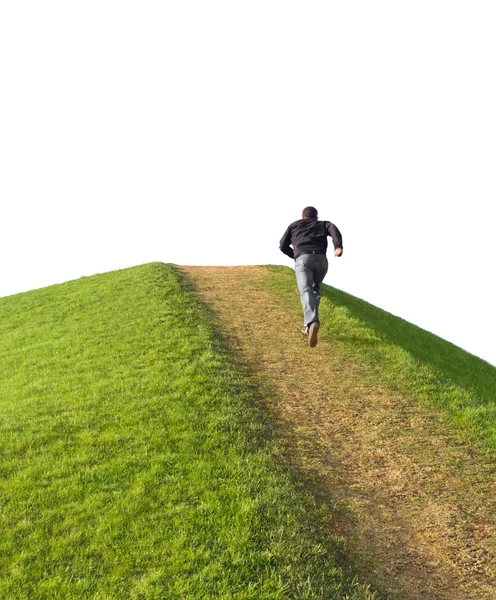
415	506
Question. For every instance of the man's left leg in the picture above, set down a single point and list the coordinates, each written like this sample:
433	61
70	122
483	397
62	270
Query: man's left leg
310	272
306	281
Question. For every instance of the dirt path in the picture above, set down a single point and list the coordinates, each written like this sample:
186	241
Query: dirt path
413	504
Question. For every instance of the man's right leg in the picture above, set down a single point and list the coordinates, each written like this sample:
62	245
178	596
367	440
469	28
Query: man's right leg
320	266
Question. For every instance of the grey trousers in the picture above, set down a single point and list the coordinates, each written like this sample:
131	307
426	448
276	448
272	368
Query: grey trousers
310	272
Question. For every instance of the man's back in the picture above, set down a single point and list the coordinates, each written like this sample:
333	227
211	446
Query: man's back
309	235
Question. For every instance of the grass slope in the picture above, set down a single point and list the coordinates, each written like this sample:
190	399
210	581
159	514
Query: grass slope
417	362
133	460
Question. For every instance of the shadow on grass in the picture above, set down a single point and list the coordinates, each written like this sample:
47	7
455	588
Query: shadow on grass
313	507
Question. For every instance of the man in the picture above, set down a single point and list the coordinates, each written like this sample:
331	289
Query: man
308	236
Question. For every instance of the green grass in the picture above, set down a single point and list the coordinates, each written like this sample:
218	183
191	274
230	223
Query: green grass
134	462
410	359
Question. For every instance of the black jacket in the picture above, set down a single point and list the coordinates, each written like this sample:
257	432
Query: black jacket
309	235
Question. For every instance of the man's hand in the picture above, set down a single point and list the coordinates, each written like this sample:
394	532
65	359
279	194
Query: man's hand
338	252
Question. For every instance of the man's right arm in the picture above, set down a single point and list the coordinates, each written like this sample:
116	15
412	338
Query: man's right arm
284	244
337	238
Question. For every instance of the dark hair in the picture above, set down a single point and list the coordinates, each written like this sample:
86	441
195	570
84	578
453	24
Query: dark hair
310	212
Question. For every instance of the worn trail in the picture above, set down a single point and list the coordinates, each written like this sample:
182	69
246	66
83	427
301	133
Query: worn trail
415	506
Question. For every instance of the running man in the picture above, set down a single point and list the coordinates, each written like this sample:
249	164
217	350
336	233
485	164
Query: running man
308	238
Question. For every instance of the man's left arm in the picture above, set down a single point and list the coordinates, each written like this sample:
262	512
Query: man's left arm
284	244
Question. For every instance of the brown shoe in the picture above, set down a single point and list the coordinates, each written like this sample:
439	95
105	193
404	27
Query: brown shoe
313	332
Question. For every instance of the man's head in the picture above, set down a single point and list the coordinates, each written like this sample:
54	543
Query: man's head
310	213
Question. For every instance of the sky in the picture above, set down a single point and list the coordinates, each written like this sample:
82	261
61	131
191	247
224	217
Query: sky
195	132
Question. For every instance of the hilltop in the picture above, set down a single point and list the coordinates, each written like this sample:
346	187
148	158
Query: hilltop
135	462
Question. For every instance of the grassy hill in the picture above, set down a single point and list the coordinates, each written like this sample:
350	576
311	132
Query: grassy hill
140	458
134	459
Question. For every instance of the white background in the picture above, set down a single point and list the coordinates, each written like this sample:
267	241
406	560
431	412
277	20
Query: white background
194	132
